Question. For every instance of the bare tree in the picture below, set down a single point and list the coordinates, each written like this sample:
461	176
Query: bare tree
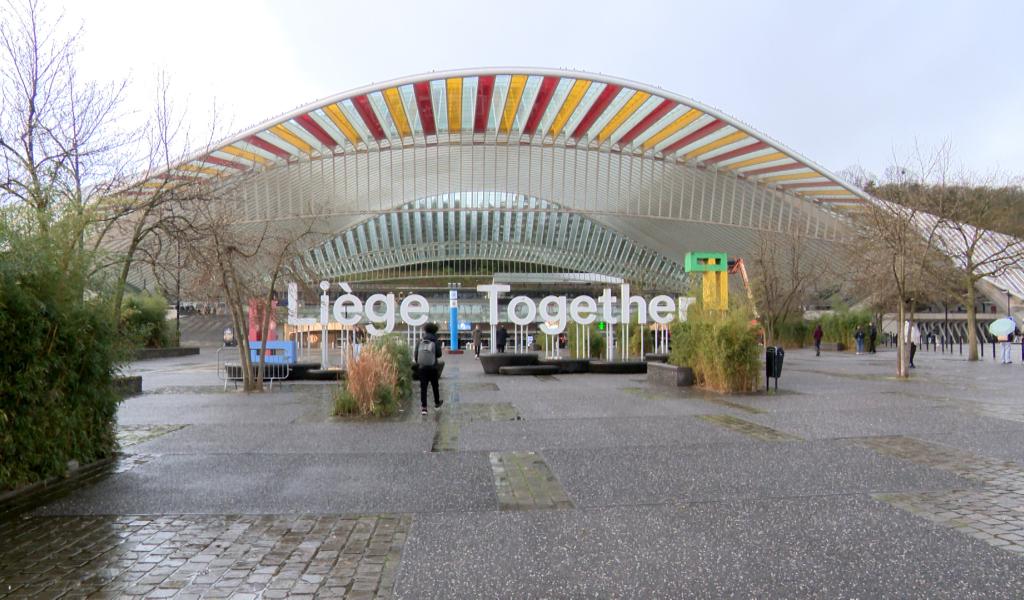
895	247
783	276
967	215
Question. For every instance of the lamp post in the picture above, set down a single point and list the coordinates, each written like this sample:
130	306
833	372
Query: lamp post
1007	302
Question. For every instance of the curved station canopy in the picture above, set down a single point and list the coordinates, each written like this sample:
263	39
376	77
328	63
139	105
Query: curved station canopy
630	163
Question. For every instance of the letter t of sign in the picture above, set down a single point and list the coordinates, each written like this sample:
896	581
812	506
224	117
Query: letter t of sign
492	290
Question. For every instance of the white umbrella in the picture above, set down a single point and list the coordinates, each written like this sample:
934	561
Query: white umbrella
1002	327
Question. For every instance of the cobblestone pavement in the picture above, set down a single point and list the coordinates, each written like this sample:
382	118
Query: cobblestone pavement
524	482
846	483
187	556
993	514
760	432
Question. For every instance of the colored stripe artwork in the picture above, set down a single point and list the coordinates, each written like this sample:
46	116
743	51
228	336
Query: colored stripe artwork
736	153
484	90
455	105
394	101
646	122
701	133
515	94
603	100
627	110
569	106
265	145
318	132
337	117
425	107
250	156
672	128
547	89
362	104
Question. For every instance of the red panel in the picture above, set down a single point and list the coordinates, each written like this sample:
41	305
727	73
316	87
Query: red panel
602	102
369	117
213	160
260	143
484	90
775	169
540	104
425	107
736	152
657	113
704	131
318	132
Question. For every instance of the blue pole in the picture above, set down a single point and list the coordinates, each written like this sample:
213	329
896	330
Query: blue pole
453	327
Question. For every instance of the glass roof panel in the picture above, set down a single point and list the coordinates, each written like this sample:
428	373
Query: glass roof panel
439	94
526	103
332	130
588	100
380	108
685	131
557	98
645	109
412	113
469	85
498	101
609	113
349	109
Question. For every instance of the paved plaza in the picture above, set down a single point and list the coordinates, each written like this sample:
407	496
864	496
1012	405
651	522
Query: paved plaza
847	483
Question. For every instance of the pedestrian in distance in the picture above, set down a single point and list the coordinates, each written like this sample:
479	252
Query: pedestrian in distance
476	340
502	337
914	336
1006	343
872	337
858	336
818	333
426	355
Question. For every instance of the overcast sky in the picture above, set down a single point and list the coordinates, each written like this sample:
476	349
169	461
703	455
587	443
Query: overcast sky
843	83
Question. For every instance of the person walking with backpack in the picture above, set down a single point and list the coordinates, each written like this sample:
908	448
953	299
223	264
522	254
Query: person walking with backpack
428	350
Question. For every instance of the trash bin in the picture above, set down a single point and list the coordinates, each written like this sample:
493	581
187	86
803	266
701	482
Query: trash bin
773	359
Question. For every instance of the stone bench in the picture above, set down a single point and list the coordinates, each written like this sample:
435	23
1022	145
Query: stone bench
492	362
618	367
653	357
568	365
670	375
529	370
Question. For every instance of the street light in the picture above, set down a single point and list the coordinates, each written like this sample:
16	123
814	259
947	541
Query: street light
1007	302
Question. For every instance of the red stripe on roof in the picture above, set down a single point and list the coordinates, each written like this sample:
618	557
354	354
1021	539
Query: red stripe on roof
484	91
602	102
265	145
775	169
540	104
318	132
365	111
213	160
646	122
736	152
425	106
704	131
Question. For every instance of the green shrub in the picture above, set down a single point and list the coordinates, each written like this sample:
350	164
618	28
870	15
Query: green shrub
720	347
793	333
596	340
635	331
144	318
61	351
841	325
377	381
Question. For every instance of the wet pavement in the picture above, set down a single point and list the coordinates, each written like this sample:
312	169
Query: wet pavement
846	483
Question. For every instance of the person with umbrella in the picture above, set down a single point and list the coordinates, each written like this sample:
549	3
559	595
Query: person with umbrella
1004	330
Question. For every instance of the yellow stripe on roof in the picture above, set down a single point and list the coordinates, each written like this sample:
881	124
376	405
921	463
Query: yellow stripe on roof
394	102
725	141
198	169
515	93
285	134
624	113
454	105
251	156
689	117
757	160
569	106
791	176
341	122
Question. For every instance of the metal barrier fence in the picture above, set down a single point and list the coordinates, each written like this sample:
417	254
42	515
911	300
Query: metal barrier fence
956	344
272	371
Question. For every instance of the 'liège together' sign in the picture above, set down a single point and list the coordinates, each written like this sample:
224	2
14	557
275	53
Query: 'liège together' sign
555	312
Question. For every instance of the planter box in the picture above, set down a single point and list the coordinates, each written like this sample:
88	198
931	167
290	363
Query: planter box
529	370
670	375
833	346
651	357
568	365
151	353
130	385
492	362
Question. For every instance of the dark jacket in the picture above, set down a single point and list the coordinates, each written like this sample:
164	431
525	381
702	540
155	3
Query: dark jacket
502	336
437	347
817	334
